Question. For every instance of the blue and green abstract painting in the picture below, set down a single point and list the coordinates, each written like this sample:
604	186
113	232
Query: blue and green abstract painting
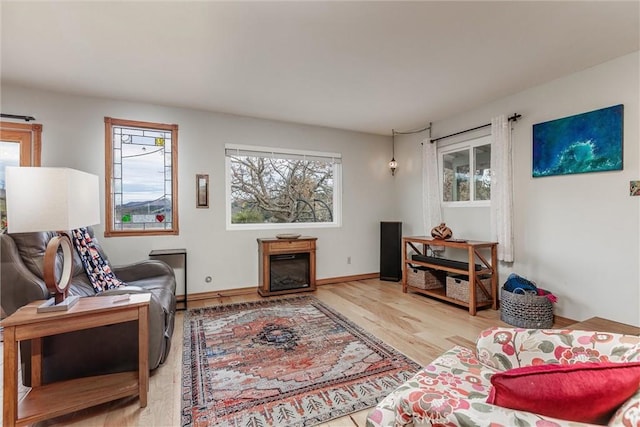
588	142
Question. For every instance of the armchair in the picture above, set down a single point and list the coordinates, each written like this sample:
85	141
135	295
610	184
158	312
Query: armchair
103	350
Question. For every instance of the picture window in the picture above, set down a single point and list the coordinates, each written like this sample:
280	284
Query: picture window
279	188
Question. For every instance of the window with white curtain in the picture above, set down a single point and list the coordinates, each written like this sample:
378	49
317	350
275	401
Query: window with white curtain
465	172
281	188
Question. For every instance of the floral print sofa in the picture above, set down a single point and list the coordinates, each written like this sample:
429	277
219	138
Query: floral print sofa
453	389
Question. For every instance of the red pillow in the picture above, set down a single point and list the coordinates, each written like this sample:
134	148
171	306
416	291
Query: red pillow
585	392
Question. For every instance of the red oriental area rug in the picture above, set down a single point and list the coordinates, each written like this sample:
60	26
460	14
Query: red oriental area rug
286	362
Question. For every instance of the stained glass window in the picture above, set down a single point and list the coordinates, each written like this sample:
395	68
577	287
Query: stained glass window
142	184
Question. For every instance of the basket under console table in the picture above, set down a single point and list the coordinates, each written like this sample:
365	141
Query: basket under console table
478	266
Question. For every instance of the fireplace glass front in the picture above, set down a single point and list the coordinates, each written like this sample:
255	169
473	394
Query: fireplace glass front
289	271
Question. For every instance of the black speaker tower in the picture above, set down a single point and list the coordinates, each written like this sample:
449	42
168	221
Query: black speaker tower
391	251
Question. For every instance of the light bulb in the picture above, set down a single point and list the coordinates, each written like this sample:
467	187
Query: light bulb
393	165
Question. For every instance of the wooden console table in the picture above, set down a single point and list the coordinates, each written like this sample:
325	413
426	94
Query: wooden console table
474	255
51	400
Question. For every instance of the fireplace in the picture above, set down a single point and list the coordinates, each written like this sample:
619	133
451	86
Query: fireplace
287	265
289	271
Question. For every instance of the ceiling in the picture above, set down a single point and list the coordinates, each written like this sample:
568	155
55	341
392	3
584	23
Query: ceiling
363	66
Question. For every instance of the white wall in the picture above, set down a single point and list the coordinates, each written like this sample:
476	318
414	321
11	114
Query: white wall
73	136
576	235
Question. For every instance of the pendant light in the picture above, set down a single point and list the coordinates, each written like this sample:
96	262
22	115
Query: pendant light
393	164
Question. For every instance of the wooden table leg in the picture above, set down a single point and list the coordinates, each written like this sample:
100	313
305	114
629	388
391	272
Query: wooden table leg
472	281
143	354
10	388
36	362
494	277
404	266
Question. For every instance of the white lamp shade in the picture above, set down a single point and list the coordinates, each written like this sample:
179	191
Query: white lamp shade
50	199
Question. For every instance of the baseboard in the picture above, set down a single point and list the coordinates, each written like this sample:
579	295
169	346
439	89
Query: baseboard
223	293
254	289
332	280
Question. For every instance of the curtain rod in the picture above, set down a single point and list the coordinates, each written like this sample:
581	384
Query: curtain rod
513	118
14	116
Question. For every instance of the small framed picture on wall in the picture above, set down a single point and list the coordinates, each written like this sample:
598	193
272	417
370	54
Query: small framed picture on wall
202	191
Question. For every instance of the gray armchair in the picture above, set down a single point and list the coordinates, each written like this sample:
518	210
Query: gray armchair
103	350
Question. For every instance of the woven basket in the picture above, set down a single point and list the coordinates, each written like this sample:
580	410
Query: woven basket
425	278
525	310
458	288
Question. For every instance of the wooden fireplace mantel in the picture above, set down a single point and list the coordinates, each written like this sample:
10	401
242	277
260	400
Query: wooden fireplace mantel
273	246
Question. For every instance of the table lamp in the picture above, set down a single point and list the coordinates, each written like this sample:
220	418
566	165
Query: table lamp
52	199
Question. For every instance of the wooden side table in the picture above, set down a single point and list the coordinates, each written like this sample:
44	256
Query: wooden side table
55	399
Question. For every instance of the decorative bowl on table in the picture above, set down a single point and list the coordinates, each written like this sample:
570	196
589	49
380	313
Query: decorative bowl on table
287	236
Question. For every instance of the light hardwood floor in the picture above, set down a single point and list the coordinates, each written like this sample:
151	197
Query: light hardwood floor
420	327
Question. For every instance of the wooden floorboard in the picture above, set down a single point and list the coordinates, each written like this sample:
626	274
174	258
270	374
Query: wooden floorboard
420	327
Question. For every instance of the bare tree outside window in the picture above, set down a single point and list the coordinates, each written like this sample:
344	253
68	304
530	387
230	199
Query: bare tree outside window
272	190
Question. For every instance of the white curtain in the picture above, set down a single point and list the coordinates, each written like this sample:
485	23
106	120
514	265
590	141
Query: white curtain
432	214
502	188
